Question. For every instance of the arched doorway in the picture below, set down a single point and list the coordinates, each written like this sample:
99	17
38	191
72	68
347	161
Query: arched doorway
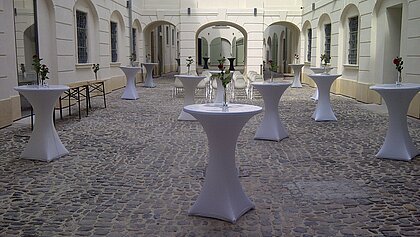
388	18
226	39
160	46
282	44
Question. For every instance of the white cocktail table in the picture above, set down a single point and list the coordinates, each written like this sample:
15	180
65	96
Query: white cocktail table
271	127
222	196
189	82
297	68
318	70
44	144
130	92
323	111
219	90
398	144
148	82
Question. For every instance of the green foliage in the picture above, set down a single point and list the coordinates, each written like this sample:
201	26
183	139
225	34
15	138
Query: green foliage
225	77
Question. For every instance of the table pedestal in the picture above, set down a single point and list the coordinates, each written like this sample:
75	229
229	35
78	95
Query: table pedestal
231	66
206	62
190	83
44	144
148	82
398	144
130	92
323	111
297	68
271	127
222	196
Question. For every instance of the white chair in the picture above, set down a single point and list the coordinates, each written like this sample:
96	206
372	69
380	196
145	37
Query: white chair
204	84
239	83
253	76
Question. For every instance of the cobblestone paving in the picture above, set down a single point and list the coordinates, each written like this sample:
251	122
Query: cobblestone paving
134	170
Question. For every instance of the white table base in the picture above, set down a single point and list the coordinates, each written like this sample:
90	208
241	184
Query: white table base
44	143
130	92
222	196
271	127
323	111
190	83
148	82
297	70
398	144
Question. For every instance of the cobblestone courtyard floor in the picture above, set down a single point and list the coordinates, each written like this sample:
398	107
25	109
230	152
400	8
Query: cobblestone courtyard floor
134	170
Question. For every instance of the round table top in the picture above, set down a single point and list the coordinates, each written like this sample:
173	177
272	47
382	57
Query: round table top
147	64
317	70
272	84
404	86
192	77
324	75
217	109
41	88
296	65
130	68
215	71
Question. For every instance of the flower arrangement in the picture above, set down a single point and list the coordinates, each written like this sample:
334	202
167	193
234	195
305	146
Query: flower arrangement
399	66
44	72
36	63
133	58
221	63
190	61
326	58
297	57
95	68
226	78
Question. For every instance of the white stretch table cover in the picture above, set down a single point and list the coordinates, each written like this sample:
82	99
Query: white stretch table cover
297	69
222	196
317	70
148	82
44	144
130	92
189	82
219	92
271	127
323	111
398	144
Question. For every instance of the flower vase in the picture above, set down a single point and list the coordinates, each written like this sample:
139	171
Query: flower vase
398	82
325	69
225	104
188	70
271	76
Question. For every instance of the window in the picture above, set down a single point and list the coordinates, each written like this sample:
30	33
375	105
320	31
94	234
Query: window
114	53
309	54
82	50
167	35
134	42
353	34
327	49
173	36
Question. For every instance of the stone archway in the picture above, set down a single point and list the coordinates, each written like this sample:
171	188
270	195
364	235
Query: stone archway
235	33
160	45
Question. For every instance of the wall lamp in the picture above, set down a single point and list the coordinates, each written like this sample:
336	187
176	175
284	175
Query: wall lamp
189	11
255	11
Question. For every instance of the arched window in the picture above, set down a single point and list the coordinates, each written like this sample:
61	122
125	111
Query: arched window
86	22
324	34
307	35
116	36
350	25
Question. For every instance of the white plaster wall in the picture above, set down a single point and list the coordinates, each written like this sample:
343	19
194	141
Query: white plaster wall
374	59
8	70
